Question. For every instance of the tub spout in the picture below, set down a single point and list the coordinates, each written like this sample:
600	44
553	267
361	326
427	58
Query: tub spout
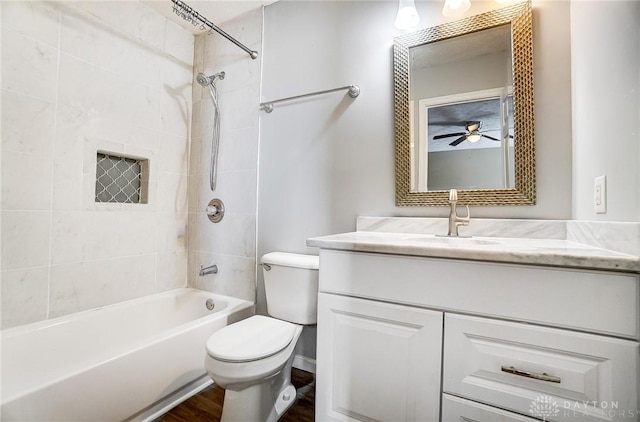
212	269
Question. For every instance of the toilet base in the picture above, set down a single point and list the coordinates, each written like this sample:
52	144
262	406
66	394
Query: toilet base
266	401
285	400
256	403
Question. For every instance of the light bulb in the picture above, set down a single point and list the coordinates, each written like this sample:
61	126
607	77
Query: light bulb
407	17
474	137
455	8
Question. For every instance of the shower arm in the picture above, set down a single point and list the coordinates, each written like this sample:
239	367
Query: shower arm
189	14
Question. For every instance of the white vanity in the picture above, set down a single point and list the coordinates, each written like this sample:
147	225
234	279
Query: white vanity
414	327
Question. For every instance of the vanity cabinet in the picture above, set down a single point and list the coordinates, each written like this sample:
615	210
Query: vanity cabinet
517	341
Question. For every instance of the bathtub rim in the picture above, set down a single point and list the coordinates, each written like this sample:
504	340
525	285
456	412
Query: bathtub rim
50	322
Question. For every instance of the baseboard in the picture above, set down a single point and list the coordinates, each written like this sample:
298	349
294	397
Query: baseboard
304	363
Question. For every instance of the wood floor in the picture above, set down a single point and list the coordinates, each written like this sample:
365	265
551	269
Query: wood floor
207	405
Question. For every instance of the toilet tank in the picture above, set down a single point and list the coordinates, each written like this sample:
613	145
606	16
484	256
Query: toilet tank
291	286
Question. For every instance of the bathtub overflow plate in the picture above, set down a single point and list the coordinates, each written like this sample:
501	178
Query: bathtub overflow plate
210	305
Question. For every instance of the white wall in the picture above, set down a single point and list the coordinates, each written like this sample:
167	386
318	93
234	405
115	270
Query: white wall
231	243
474	168
488	71
605	54
78	77
328	159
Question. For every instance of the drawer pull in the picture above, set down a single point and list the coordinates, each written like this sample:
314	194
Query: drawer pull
541	377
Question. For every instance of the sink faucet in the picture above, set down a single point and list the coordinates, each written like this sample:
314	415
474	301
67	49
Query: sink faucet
212	269
454	219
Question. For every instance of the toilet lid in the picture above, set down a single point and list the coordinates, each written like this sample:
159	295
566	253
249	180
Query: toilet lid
250	339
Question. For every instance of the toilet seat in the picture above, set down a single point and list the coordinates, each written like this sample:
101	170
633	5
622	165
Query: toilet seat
251	339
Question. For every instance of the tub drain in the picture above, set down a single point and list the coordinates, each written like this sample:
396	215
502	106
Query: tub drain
210	304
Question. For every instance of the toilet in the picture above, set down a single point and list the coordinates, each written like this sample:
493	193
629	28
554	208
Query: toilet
252	358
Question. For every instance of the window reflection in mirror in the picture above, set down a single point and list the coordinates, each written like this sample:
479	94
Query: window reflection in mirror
468	154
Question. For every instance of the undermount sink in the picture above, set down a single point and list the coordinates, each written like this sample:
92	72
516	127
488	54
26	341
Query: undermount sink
453	241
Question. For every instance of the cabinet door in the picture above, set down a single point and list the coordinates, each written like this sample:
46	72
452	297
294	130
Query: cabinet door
377	361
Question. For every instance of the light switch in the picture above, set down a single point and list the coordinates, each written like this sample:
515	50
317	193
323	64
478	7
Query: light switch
600	195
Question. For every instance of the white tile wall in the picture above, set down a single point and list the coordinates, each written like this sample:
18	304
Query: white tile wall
171	270
239	156
173	199
230	244
19	134
234	235
82	77
234	277
28	66
43	18
174	153
25	239
33	190
79	286
24	295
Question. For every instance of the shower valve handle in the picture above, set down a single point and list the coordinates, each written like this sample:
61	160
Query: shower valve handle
215	210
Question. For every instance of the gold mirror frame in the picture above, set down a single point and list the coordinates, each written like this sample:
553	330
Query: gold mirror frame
524	193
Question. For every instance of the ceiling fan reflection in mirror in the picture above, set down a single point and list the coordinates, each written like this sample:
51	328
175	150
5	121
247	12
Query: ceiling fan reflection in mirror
472	134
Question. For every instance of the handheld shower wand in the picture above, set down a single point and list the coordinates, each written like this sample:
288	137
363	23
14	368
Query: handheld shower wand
210	82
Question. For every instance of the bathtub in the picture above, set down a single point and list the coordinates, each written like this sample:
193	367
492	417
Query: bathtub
128	361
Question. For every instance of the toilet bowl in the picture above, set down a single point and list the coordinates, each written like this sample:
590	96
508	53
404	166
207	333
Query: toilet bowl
252	358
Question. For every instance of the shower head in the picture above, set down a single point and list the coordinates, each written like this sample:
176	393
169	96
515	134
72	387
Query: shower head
205	80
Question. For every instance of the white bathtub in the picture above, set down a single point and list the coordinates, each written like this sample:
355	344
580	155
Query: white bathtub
113	363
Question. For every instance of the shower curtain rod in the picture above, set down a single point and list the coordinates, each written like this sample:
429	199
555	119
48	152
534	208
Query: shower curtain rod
187	13
354	91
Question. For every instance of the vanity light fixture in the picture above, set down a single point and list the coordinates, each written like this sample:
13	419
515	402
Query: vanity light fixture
455	8
407	17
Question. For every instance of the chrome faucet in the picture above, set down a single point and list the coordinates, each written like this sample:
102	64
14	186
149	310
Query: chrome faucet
212	269
454	219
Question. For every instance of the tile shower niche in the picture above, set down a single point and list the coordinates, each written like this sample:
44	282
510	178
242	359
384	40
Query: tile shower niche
121	179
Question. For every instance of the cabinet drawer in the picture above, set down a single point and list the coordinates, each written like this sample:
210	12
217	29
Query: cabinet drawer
455	409
559	297
559	374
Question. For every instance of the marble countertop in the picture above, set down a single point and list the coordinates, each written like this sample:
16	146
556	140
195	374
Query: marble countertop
552	252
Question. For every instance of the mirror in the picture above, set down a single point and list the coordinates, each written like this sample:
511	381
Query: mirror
464	111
